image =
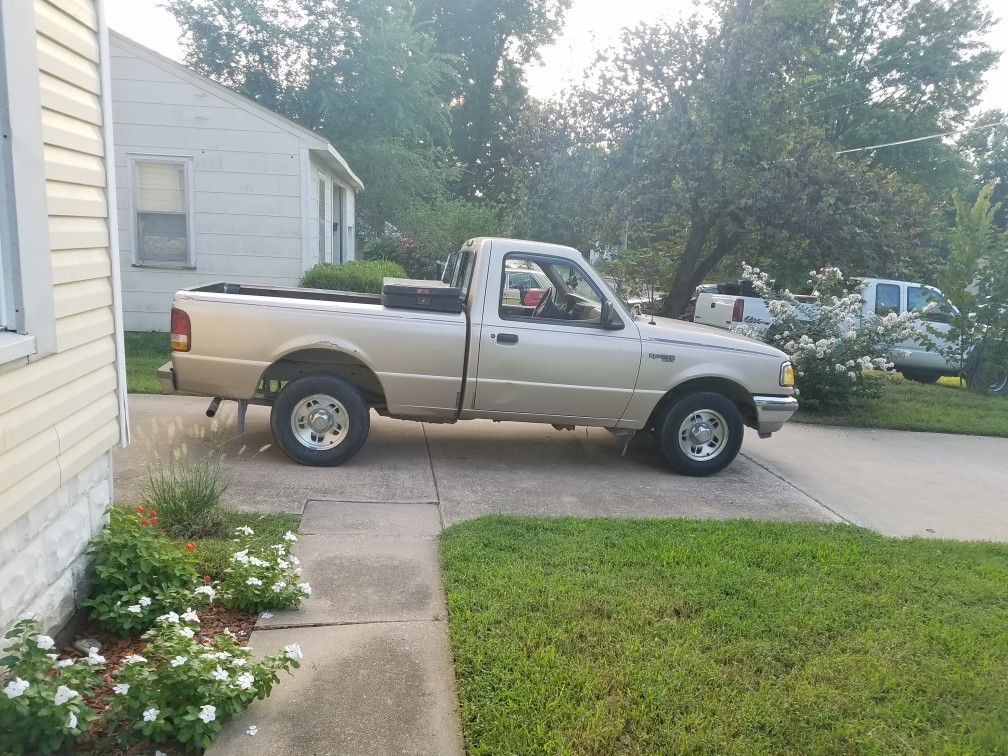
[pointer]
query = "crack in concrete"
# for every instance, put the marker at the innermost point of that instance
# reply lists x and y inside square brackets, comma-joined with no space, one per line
[799,489]
[430,461]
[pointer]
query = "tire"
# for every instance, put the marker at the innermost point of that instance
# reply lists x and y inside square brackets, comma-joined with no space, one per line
[996,385]
[341,417]
[920,376]
[709,411]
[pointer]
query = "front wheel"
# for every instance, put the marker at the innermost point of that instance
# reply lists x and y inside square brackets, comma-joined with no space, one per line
[320,420]
[700,434]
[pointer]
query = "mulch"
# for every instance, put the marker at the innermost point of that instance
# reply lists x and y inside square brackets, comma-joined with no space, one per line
[214,620]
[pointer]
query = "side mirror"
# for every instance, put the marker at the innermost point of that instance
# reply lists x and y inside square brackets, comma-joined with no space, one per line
[611,320]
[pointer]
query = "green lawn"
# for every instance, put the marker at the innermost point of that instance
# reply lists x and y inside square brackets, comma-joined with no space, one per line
[146,351]
[905,405]
[644,637]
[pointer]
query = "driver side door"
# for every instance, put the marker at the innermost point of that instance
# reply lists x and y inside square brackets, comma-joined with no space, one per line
[557,363]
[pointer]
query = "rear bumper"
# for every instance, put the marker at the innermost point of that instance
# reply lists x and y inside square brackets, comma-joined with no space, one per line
[773,411]
[166,374]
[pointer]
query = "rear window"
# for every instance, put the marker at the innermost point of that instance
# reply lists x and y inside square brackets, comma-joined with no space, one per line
[459,270]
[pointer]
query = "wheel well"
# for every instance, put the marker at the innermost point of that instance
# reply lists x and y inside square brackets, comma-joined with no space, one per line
[308,361]
[734,391]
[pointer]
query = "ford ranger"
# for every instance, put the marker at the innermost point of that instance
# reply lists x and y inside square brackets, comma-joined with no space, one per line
[562,350]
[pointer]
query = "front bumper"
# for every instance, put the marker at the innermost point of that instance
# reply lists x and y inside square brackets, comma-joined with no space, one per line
[772,412]
[166,374]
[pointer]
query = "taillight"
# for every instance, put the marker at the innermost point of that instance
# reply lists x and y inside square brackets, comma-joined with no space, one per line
[738,311]
[181,330]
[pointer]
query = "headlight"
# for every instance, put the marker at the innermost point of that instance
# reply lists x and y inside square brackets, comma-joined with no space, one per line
[787,374]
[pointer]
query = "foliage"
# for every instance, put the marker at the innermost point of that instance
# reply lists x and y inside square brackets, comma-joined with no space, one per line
[602,635]
[138,574]
[183,691]
[263,577]
[975,279]
[213,556]
[146,351]
[43,708]
[401,249]
[830,341]
[363,276]
[186,492]
[636,273]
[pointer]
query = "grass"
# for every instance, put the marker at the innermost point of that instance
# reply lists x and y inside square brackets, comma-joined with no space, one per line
[146,351]
[639,637]
[213,555]
[904,405]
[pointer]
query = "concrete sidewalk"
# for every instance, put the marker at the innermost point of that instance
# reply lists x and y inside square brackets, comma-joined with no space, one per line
[377,674]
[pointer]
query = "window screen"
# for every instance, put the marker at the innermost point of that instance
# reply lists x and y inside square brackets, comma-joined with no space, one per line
[161,201]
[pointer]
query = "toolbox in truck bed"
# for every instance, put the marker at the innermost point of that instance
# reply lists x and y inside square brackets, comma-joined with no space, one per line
[410,294]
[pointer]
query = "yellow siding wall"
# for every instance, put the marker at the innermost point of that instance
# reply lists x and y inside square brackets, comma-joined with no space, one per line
[60,413]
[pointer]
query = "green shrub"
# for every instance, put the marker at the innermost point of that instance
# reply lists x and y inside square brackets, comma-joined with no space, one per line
[417,262]
[42,706]
[263,577]
[138,573]
[186,493]
[363,276]
[183,690]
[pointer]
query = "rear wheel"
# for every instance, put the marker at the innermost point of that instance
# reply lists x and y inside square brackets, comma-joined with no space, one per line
[320,420]
[699,434]
[920,376]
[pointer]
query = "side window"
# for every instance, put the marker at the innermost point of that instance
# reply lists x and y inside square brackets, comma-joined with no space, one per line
[919,297]
[548,289]
[887,299]
[162,208]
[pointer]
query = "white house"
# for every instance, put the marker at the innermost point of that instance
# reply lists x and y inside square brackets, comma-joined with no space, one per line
[62,377]
[213,186]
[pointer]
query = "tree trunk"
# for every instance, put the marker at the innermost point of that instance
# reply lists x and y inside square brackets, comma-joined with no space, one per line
[688,278]
[681,289]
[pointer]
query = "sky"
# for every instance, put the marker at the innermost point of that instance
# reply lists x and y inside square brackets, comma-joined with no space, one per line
[591,25]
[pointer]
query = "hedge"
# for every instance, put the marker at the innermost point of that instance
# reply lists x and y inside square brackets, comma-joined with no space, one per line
[363,276]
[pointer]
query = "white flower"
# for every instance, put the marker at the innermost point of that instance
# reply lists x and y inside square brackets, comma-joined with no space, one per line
[150,715]
[289,537]
[64,694]
[278,586]
[95,658]
[283,564]
[244,530]
[241,556]
[207,591]
[134,608]
[222,655]
[190,616]
[170,617]
[244,680]
[239,662]
[71,720]
[305,588]
[44,642]
[134,659]
[293,651]
[219,674]
[15,687]
[145,601]
[294,559]
[252,730]
[267,615]
[121,689]
[186,631]
[178,661]
[257,562]
[253,581]
[278,547]
[63,663]
[208,713]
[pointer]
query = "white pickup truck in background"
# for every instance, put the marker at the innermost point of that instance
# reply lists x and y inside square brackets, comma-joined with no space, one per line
[725,304]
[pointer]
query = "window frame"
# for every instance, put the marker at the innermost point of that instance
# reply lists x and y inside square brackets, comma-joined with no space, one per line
[132,161]
[551,260]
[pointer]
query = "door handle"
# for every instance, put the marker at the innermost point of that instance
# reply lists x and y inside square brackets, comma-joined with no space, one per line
[507,338]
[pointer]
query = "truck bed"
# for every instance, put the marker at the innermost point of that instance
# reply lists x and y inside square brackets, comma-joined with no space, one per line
[288,292]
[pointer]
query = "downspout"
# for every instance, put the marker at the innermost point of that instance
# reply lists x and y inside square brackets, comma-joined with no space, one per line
[104,52]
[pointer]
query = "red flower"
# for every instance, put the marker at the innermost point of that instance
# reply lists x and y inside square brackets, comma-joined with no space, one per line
[206,579]
[146,521]
[190,545]
[139,509]
[153,514]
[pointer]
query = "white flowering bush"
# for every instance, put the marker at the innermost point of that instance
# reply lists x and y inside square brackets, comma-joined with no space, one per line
[830,340]
[182,691]
[263,577]
[42,706]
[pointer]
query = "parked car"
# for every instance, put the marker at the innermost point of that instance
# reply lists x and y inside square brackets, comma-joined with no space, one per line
[462,349]
[738,302]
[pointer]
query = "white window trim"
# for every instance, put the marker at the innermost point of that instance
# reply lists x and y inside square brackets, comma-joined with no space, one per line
[27,238]
[187,162]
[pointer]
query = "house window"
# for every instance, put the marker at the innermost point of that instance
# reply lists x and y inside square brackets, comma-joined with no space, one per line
[162,205]
[321,219]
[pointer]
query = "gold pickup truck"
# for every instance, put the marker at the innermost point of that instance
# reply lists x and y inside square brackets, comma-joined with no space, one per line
[562,350]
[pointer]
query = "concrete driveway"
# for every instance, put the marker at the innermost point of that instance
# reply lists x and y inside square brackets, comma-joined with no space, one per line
[895,482]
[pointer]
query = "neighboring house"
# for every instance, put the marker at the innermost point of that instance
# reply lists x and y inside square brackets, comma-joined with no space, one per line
[214,187]
[62,377]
